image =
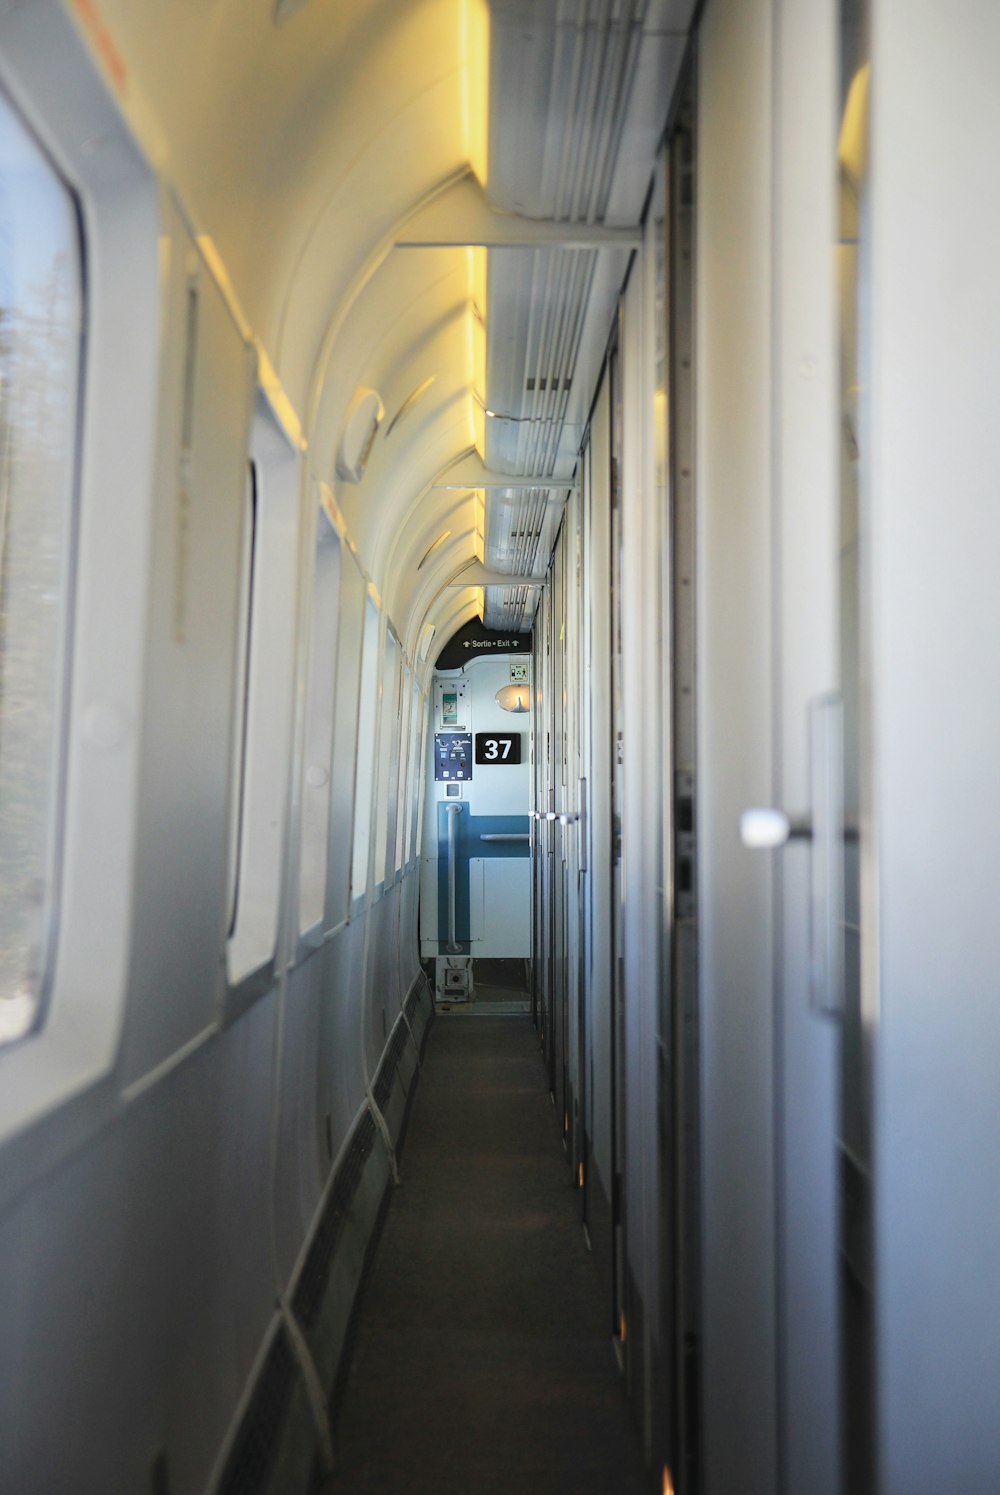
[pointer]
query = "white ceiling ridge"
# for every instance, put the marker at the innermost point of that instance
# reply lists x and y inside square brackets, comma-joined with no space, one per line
[461,216]
[475,574]
[377,256]
[469,471]
[394,527]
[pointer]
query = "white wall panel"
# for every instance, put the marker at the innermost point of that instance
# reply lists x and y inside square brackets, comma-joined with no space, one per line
[599,993]
[187,725]
[807,497]
[300,1169]
[148,1257]
[647,770]
[934,541]
[341,1089]
[733,319]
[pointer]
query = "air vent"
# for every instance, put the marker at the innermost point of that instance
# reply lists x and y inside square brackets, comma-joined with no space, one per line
[315,1274]
[259,1437]
[382,1088]
[553,385]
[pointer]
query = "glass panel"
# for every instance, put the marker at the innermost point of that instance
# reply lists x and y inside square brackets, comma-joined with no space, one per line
[388,762]
[315,817]
[40,324]
[248,552]
[365,776]
[417,792]
[405,751]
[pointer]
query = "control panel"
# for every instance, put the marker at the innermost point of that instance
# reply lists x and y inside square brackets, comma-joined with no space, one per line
[452,756]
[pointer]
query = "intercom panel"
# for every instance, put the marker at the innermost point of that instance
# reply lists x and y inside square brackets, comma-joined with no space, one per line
[452,756]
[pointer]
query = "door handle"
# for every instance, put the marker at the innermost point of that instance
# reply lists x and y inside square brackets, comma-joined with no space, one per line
[826,831]
[766,829]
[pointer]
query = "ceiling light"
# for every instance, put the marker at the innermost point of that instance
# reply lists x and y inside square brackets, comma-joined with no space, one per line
[513,698]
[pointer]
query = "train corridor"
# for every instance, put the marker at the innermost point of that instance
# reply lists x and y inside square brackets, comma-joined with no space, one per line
[482,1358]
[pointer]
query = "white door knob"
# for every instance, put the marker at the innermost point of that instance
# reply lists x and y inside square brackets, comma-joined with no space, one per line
[763,829]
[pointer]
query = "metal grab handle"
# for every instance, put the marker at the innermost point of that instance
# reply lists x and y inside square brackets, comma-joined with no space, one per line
[506,836]
[452,811]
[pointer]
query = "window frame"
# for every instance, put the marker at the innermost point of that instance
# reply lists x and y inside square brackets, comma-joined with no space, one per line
[260,797]
[315,784]
[46,831]
[59,1084]
[366,766]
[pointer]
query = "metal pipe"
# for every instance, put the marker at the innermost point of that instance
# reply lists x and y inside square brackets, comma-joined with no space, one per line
[452,811]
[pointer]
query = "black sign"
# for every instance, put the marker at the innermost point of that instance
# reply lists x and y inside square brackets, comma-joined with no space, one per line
[498,747]
[473,640]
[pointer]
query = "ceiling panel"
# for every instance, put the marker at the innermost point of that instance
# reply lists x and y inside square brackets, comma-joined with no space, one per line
[579,94]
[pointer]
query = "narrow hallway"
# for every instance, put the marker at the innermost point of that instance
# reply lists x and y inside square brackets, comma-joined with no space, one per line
[483,1359]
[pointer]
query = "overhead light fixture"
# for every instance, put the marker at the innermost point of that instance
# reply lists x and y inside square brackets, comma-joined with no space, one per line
[513,698]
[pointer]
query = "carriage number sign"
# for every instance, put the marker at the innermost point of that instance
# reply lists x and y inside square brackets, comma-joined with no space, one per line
[498,747]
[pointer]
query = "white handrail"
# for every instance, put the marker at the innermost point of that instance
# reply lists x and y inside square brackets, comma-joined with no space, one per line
[452,811]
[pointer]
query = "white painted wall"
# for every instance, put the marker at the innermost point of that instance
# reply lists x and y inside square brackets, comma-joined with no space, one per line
[734,473]
[501,928]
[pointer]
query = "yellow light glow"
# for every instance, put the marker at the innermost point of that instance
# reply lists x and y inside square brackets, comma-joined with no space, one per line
[333,513]
[852,154]
[514,698]
[474,41]
[474,26]
[622,1328]
[668,1482]
[475,345]
[852,149]
[266,372]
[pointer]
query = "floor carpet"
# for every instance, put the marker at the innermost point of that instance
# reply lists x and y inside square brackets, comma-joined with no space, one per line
[483,1362]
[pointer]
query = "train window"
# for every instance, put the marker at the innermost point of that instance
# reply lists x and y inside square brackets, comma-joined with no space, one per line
[419,770]
[414,765]
[315,799]
[248,551]
[41,312]
[365,772]
[388,777]
[403,774]
[265,686]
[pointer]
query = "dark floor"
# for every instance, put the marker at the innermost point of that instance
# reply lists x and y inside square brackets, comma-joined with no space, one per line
[483,1363]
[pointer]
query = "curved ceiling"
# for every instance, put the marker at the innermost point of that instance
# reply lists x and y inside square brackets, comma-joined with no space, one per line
[341,132]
